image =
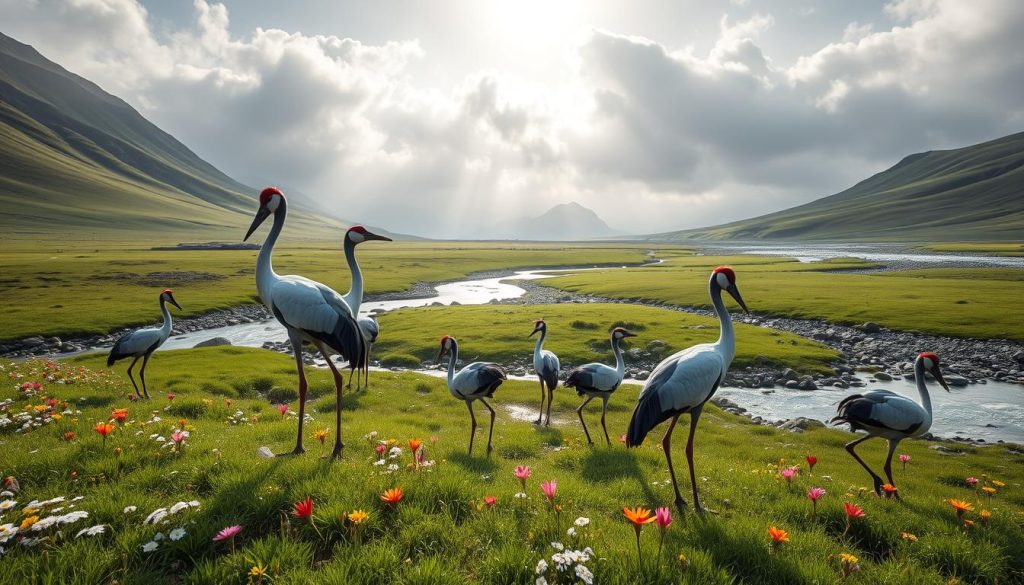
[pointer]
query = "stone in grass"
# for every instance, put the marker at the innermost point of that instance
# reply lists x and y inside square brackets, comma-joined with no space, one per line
[800,424]
[213,342]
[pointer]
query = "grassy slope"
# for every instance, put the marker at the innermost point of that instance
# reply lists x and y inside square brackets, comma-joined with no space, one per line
[966,194]
[967,303]
[91,290]
[995,249]
[579,334]
[436,535]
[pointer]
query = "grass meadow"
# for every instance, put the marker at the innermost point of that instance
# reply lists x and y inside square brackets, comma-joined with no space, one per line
[443,530]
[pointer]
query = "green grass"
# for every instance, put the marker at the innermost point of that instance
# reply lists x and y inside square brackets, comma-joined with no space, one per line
[579,334]
[981,303]
[993,248]
[438,534]
[87,290]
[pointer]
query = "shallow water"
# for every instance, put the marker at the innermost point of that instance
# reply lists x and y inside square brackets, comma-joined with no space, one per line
[873,253]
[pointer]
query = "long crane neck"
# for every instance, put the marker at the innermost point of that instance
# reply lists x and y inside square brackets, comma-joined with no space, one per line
[265,275]
[726,338]
[165,329]
[922,388]
[454,357]
[354,296]
[540,344]
[620,363]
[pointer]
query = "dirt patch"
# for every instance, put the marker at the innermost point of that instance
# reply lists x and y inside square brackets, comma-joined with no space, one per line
[162,278]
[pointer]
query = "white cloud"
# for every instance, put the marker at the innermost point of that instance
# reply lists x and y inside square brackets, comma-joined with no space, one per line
[652,136]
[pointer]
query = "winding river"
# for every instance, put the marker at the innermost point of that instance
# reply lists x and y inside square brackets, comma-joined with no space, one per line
[992,411]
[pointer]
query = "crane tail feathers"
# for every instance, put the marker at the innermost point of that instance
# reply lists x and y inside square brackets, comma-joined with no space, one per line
[647,415]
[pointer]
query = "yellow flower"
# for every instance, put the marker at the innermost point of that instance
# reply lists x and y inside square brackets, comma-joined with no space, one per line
[848,558]
[985,515]
[998,483]
[29,512]
[28,522]
[358,517]
[989,490]
[258,570]
[908,536]
[57,417]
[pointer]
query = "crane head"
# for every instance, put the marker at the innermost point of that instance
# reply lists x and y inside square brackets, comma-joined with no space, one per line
[621,332]
[930,363]
[271,199]
[357,234]
[724,278]
[167,296]
[538,325]
[446,344]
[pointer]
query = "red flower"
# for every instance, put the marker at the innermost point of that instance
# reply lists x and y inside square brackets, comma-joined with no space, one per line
[303,508]
[491,501]
[392,496]
[853,510]
[811,462]
[104,429]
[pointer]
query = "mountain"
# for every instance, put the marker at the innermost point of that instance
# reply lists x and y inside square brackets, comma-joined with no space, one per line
[975,193]
[568,221]
[78,160]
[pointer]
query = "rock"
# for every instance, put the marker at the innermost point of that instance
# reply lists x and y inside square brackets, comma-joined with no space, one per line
[643,375]
[31,342]
[883,376]
[789,374]
[946,450]
[869,327]
[958,381]
[721,402]
[801,423]
[214,342]
[807,384]
[793,384]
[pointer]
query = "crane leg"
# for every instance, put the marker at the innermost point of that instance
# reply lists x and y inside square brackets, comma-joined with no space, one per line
[604,409]
[579,412]
[297,349]
[338,383]
[142,374]
[137,393]
[472,429]
[551,395]
[666,444]
[874,476]
[366,366]
[490,433]
[540,413]
[694,417]
[888,464]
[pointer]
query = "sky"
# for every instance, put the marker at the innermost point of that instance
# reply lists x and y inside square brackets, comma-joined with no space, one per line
[442,118]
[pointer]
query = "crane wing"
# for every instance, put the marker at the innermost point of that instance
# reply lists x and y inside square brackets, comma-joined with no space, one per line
[881,409]
[134,343]
[478,377]
[595,376]
[319,312]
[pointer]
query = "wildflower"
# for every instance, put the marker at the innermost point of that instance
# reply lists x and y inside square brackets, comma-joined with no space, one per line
[998,483]
[28,522]
[853,511]
[171,396]
[848,564]
[522,472]
[179,438]
[639,517]
[788,474]
[7,505]
[228,534]
[392,496]
[968,523]
[282,408]
[584,574]
[582,521]
[985,515]
[908,536]
[150,546]
[91,531]
[304,508]
[778,535]
[811,462]
[889,489]
[903,459]
[380,450]
[129,509]
[960,507]
[104,429]
[357,517]
[571,532]
[394,452]
[542,567]
[990,491]
[321,436]
[491,501]
[119,414]
[814,494]
[415,444]
[69,436]
[258,571]
[972,481]
[549,488]
[117,451]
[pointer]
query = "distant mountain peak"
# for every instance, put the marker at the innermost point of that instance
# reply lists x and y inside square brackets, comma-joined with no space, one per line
[564,221]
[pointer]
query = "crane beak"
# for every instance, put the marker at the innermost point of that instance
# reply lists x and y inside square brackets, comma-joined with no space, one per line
[373,236]
[626,333]
[440,355]
[534,331]
[175,303]
[939,378]
[735,292]
[261,215]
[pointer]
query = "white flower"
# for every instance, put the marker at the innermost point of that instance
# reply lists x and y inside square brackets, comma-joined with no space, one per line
[130,509]
[571,531]
[156,516]
[557,546]
[542,567]
[158,536]
[30,542]
[77,498]
[6,494]
[540,581]
[91,531]
[584,574]
[379,462]
[178,507]
[393,467]
[150,546]
[589,552]
[7,531]
[72,517]
[520,495]
[7,505]
[394,452]
[194,504]
[45,523]
[177,534]
[581,521]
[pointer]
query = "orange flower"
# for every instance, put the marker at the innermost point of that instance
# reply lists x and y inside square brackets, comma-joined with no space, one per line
[104,429]
[778,535]
[414,445]
[985,516]
[639,516]
[961,506]
[119,414]
[889,489]
[392,496]
[69,436]
[321,436]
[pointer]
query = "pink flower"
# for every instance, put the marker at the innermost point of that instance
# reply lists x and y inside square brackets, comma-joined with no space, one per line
[549,488]
[178,437]
[972,481]
[379,448]
[283,409]
[788,474]
[227,533]
[664,517]
[170,396]
[904,457]
[815,493]
[522,472]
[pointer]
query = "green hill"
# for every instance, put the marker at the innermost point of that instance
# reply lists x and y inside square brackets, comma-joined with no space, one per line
[77,160]
[975,193]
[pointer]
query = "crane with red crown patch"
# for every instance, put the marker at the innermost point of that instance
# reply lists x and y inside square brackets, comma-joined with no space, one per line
[141,343]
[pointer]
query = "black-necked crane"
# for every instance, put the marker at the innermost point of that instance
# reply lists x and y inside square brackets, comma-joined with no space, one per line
[356,235]
[475,381]
[597,380]
[547,367]
[310,312]
[891,416]
[684,381]
[141,343]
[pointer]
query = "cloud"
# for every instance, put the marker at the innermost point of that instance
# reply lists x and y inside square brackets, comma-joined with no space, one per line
[653,137]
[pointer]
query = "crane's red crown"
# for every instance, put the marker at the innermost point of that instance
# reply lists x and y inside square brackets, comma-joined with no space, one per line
[931,356]
[445,338]
[728,272]
[539,321]
[358,228]
[168,291]
[269,192]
